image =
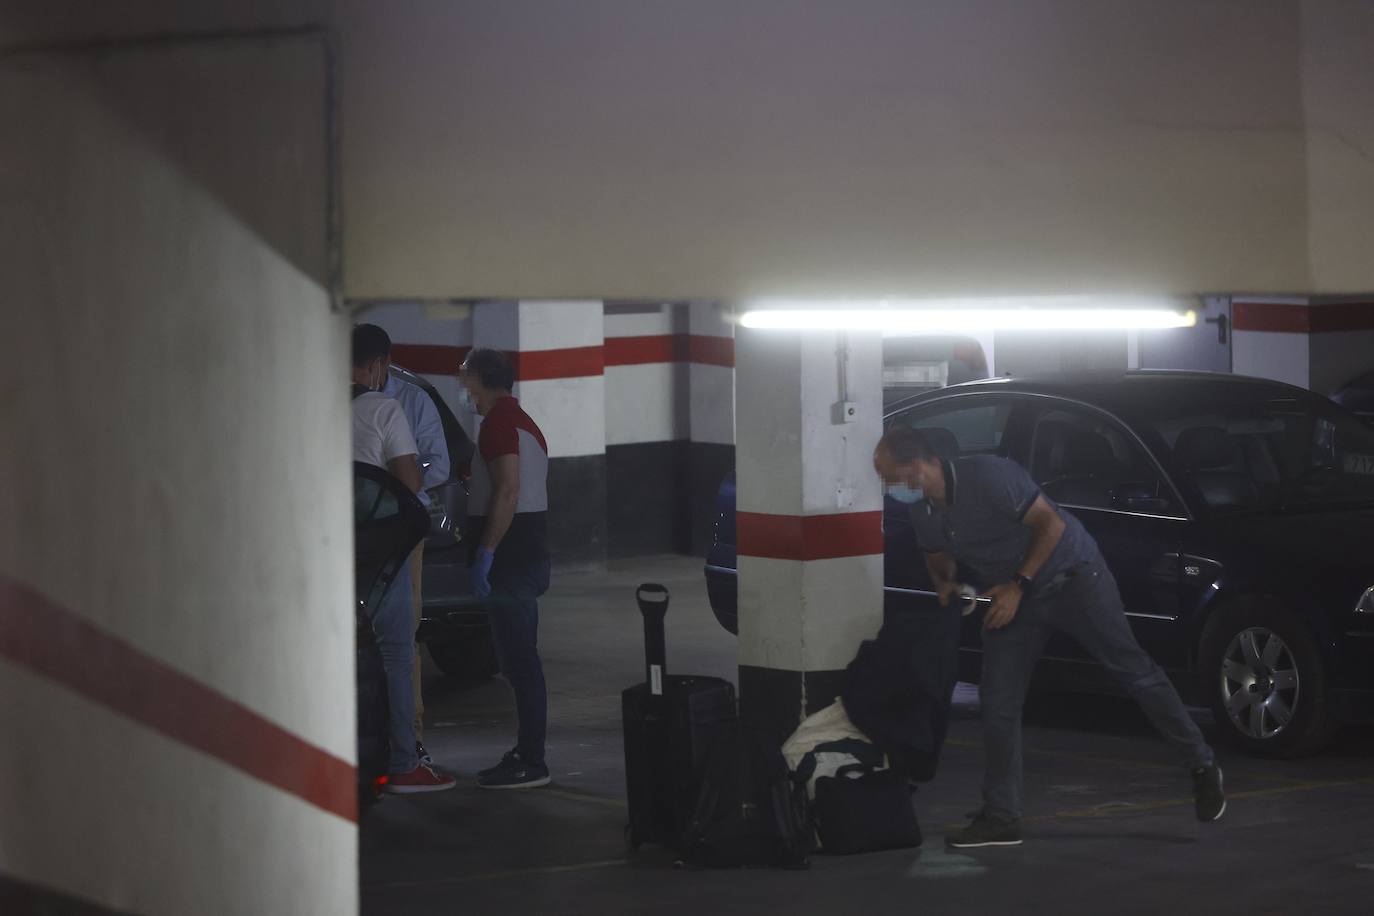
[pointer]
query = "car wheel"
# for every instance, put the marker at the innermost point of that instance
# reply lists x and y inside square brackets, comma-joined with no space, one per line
[1265,682]
[468,658]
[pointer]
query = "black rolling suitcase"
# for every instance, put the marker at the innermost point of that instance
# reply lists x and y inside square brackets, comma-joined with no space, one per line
[669,722]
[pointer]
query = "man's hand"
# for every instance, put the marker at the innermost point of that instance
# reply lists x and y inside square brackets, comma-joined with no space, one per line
[946,592]
[481,569]
[1006,600]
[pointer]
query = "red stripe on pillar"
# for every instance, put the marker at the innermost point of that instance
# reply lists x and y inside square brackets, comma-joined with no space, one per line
[809,537]
[1343,316]
[1270,316]
[711,351]
[643,351]
[1291,318]
[670,348]
[574,362]
[437,359]
[51,641]
[429,359]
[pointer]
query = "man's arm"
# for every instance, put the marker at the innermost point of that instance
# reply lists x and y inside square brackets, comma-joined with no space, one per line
[505,494]
[407,470]
[398,445]
[430,439]
[943,572]
[1046,530]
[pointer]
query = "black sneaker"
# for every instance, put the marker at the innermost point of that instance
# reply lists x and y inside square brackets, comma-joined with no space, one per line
[1208,798]
[423,754]
[513,773]
[986,830]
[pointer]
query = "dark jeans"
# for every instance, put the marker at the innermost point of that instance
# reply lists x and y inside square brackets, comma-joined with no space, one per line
[514,613]
[1087,607]
[395,631]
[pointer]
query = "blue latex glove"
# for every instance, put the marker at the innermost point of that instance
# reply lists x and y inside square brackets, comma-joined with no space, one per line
[481,569]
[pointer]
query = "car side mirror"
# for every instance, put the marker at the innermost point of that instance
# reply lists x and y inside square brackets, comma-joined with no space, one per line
[1139,496]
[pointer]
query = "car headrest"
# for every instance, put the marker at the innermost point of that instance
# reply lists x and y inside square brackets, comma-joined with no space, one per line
[1204,448]
[941,441]
[1051,445]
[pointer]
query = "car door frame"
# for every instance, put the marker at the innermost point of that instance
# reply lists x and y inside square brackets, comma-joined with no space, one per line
[1162,629]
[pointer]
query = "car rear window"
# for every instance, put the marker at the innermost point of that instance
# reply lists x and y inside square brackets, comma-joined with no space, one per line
[1259,450]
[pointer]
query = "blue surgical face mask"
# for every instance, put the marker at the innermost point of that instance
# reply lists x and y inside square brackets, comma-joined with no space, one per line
[905,494]
[465,399]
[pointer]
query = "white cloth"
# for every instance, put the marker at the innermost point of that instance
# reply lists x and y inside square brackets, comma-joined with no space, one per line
[829,725]
[380,429]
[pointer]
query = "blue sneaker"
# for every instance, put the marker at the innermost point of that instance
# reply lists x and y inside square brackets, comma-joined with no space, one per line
[513,773]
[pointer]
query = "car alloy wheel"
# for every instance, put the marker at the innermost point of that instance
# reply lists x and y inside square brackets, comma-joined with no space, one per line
[1259,682]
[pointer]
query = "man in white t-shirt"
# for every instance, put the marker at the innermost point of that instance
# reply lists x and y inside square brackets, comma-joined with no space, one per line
[382,437]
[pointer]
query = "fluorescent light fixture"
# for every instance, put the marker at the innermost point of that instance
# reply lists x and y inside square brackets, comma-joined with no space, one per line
[1046,313]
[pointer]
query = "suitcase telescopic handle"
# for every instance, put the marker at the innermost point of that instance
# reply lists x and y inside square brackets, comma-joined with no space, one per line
[652,598]
[653,604]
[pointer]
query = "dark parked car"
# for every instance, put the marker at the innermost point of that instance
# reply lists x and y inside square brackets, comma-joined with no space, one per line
[1358,397]
[1236,514]
[453,623]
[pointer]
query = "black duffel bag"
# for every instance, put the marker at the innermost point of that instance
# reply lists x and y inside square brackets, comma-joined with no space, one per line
[863,810]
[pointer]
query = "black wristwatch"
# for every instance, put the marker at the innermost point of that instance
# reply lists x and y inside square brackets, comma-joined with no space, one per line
[1023,582]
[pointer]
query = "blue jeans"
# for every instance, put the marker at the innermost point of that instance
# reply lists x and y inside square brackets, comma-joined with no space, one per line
[1088,608]
[394,627]
[514,613]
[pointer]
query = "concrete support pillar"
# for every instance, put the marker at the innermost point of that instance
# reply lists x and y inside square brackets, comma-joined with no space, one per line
[710,356]
[809,517]
[177,727]
[1312,342]
[559,354]
[646,429]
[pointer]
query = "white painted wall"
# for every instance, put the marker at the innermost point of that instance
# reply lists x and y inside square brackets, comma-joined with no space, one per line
[712,387]
[1268,354]
[648,402]
[1338,358]
[176,464]
[1022,353]
[420,322]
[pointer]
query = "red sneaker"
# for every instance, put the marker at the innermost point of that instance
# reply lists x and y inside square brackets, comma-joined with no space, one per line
[421,779]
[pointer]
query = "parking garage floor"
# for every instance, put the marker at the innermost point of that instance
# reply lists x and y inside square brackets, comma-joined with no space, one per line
[1109,824]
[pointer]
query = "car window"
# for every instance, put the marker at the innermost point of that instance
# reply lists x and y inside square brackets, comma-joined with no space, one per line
[963,430]
[1261,451]
[1081,458]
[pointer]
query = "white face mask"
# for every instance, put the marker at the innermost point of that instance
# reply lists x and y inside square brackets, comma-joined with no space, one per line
[465,399]
[906,494]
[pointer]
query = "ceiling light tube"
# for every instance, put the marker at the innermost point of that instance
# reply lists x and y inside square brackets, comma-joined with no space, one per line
[941,319]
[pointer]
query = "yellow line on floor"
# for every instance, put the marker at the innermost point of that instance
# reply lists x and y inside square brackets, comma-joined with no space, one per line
[1121,762]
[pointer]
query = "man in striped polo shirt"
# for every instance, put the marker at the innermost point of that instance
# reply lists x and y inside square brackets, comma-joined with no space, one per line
[509,550]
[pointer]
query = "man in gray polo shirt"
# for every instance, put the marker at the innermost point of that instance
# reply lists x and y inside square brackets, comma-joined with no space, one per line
[1043,572]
